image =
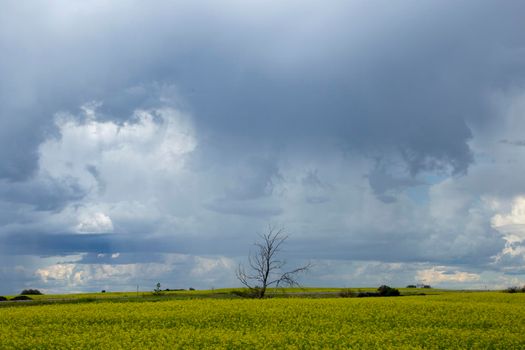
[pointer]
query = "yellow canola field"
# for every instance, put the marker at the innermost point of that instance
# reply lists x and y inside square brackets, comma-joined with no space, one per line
[479,320]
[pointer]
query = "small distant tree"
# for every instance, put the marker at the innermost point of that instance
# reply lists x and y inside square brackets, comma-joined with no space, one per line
[157,290]
[265,269]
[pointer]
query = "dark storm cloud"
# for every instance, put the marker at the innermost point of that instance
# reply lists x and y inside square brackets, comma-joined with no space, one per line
[102,245]
[395,247]
[411,90]
[120,258]
[409,80]
[62,244]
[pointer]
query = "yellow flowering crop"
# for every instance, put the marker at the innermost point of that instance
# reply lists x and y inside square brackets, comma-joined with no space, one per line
[480,320]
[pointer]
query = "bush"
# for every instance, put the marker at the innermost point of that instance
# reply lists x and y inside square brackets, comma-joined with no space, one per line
[346,293]
[3,298]
[411,286]
[31,292]
[386,291]
[367,294]
[21,297]
[247,293]
[239,293]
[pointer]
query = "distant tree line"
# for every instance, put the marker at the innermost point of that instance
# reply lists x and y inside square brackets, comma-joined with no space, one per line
[419,285]
[382,291]
[23,295]
[515,289]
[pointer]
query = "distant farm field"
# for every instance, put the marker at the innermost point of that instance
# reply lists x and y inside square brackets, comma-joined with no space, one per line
[448,320]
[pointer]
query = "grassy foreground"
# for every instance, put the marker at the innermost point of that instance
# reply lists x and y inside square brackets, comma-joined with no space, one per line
[447,320]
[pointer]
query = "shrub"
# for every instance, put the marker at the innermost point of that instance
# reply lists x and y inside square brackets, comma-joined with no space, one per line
[192,289]
[31,292]
[411,286]
[386,291]
[21,297]
[239,293]
[367,294]
[247,293]
[103,291]
[346,293]
[3,298]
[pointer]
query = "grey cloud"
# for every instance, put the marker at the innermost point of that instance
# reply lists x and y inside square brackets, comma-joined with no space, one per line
[396,247]
[316,191]
[43,193]
[117,258]
[386,186]
[267,85]
[513,142]
[254,179]
[60,244]
[403,87]
[243,208]
[96,175]
[46,244]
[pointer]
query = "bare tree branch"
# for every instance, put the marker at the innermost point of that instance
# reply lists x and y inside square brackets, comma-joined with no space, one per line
[265,268]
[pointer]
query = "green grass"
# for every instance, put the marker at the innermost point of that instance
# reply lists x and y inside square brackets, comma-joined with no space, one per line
[212,293]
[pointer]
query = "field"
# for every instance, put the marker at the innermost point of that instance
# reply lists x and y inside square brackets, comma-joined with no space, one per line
[444,320]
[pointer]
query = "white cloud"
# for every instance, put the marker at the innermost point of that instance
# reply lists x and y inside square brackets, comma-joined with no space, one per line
[174,271]
[155,140]
[206,266]
[441,274]
[512,225]
[95,223]
[128,171]
[82,275]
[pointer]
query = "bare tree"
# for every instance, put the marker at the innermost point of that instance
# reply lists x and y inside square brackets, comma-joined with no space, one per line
[265,269]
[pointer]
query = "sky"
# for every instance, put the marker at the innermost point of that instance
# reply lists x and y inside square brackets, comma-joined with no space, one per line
[145,142]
